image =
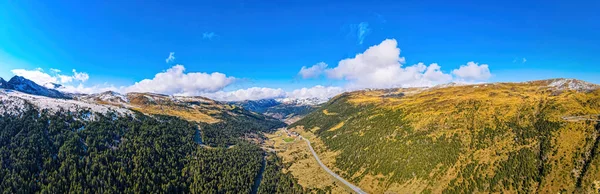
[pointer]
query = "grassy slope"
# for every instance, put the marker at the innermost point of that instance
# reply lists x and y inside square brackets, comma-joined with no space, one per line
[498,137]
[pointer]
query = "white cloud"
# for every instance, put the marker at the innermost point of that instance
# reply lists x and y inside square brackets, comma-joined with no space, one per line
[36,75]
[171,57]
[258,93]
[209,35]
[40,77]
[435,74]
[380,66]
[80,76]
[81,89]
[175,81]
[254,93]
[473,72]
[362,31]
[312,72]
[320,92]
[524,60]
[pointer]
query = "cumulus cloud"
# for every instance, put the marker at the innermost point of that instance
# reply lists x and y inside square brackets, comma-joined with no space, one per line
[81,89]
[171,57]
[473,72]
[320,92]
[36,76]
[254,93]
[258,93]
[80,76]
[209,35]
[175,81]
[312,72]
[380,66]
[435,74]
[42,78]
[55,77]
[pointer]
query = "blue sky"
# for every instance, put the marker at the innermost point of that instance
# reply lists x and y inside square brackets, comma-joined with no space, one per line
[266,43]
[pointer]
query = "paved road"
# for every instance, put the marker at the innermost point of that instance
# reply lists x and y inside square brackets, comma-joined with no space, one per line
[350,185]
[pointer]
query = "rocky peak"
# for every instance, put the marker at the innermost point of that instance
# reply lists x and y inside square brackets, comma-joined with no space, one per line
[571,84]
[27,86]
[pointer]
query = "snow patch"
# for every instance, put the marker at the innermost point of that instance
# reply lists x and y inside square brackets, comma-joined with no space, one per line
[302,101]
[15,101]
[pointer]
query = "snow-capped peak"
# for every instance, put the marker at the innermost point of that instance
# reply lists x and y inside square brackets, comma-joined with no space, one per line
[302,101]
[27,86]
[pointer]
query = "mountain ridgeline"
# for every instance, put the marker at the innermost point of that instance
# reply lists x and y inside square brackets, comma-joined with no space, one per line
[531,137]
[21,84]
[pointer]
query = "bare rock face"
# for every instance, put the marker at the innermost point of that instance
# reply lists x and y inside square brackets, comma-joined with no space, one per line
[571,84]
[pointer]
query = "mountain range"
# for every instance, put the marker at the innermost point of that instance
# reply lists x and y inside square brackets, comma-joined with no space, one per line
[192,108]
[529,137]
[284,109]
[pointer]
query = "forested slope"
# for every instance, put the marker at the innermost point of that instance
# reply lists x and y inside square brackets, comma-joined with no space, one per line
[70,151]
[527,137]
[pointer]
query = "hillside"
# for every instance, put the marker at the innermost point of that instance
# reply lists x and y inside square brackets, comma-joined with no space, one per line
[134,143]
[540,136]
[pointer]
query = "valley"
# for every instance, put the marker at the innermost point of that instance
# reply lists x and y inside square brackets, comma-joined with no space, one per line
[299,97]
[539,136]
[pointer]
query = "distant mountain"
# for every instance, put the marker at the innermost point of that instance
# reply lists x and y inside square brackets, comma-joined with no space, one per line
[285,109]
[302,101]
[24,85]
[259,106]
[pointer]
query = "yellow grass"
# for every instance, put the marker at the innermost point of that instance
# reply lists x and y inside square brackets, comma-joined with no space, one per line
[187,114]
[339,125]
[439,108]
[328,113]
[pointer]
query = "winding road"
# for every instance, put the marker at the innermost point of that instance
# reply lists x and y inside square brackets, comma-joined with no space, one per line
[350,185]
